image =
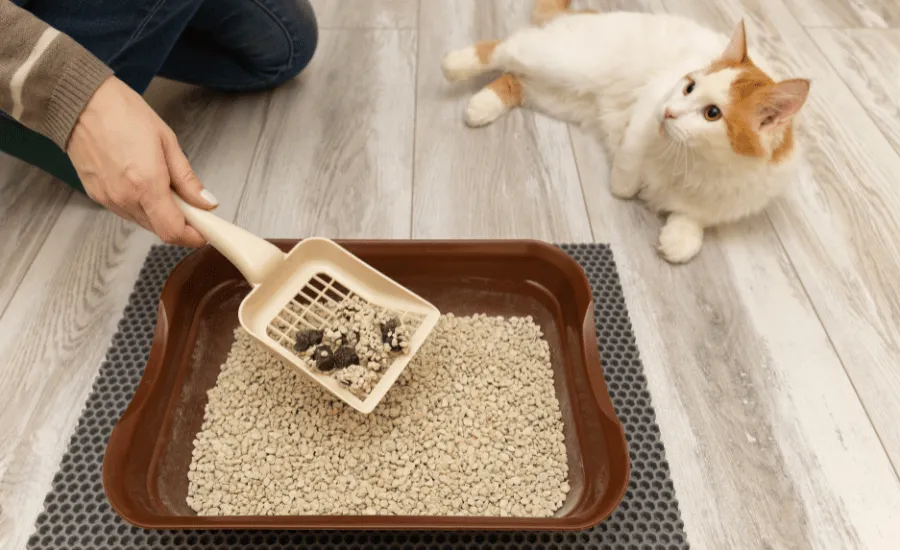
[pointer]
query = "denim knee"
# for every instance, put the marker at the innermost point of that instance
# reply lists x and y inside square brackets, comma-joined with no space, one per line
[300,38]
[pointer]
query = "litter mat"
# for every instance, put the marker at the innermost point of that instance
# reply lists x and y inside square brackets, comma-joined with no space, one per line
[77,515]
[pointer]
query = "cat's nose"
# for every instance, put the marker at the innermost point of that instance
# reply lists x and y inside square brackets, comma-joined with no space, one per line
[668,114]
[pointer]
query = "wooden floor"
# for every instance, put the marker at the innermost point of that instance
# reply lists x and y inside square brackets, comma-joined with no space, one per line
[773,359]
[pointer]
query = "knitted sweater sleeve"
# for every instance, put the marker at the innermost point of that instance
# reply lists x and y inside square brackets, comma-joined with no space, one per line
[46,78]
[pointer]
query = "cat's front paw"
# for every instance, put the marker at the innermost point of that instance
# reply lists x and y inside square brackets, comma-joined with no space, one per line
[680,239]
[624,184]
[462,65]
[484,107]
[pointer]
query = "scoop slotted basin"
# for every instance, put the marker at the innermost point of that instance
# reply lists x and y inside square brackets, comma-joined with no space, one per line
[302,289]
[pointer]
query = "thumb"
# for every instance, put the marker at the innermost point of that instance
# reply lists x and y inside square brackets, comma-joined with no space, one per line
[184,181]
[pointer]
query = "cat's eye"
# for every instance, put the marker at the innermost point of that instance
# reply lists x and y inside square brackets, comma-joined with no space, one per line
[712,113]
[689,88]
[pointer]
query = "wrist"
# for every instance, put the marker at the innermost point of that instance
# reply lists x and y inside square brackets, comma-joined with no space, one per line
[77,86]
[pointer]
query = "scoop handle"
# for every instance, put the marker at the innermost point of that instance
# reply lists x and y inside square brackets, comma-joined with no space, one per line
[254,257]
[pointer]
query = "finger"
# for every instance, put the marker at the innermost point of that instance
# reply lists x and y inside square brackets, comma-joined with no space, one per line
[140,218]
[124,201]
[121,213]
[167,220]
[140,221]
[184,180]
[193,238]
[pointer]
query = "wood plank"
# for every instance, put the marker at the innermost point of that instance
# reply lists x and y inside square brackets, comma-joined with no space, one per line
[59,323]
[868,60]
[52,339]
[846,13]
[335,156]
[840,221]
[768,442]
[366,14]
[513,178]
[30,203]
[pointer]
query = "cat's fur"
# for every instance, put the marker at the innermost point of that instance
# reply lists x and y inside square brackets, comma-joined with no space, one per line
[627,75]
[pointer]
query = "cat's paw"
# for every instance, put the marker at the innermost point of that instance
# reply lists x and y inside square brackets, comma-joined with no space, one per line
[680,239]
[462,65]
[624,184]
[484,107]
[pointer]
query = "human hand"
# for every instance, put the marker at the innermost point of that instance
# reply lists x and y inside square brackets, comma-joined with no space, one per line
[129,161]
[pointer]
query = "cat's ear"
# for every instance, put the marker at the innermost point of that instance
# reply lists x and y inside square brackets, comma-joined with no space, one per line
[780,102]
[736,51]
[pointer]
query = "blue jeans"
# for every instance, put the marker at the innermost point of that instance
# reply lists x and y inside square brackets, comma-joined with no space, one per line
[226,45]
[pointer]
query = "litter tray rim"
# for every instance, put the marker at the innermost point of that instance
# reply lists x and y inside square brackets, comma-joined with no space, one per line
[123,434]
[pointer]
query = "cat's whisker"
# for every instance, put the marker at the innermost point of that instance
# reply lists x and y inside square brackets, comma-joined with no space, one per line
[688,160]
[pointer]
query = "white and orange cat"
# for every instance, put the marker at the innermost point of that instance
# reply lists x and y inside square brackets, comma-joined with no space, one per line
[695,128]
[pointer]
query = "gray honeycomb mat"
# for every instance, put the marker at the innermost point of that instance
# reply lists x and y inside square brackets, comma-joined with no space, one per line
[77,515]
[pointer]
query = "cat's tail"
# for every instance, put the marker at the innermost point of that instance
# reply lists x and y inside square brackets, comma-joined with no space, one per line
[545,11]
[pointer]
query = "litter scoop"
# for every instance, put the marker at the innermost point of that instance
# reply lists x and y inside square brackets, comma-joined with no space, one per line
[303,289]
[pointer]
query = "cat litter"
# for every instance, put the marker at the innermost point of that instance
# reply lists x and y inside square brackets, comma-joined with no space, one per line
[337,333]
[473,427]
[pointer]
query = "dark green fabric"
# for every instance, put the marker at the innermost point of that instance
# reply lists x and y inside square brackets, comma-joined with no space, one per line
[35,149]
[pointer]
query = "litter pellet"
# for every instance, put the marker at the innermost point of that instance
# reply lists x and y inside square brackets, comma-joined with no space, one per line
[472,428]
[345,356]
[360,328]
[324,358]
[307,339]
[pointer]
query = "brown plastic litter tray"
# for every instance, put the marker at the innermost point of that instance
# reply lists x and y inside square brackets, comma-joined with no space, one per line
[147,458]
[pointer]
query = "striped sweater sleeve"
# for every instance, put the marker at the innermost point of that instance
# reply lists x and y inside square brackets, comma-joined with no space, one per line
[46,78]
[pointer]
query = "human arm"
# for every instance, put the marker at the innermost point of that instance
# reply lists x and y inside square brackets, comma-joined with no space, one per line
[46,78]
[125,155]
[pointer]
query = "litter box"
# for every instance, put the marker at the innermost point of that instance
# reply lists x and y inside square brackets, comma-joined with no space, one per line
[147,458]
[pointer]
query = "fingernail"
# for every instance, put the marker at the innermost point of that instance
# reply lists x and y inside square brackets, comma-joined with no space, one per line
[209,197]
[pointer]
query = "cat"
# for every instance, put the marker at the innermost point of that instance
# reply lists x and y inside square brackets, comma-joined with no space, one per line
[696,129]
